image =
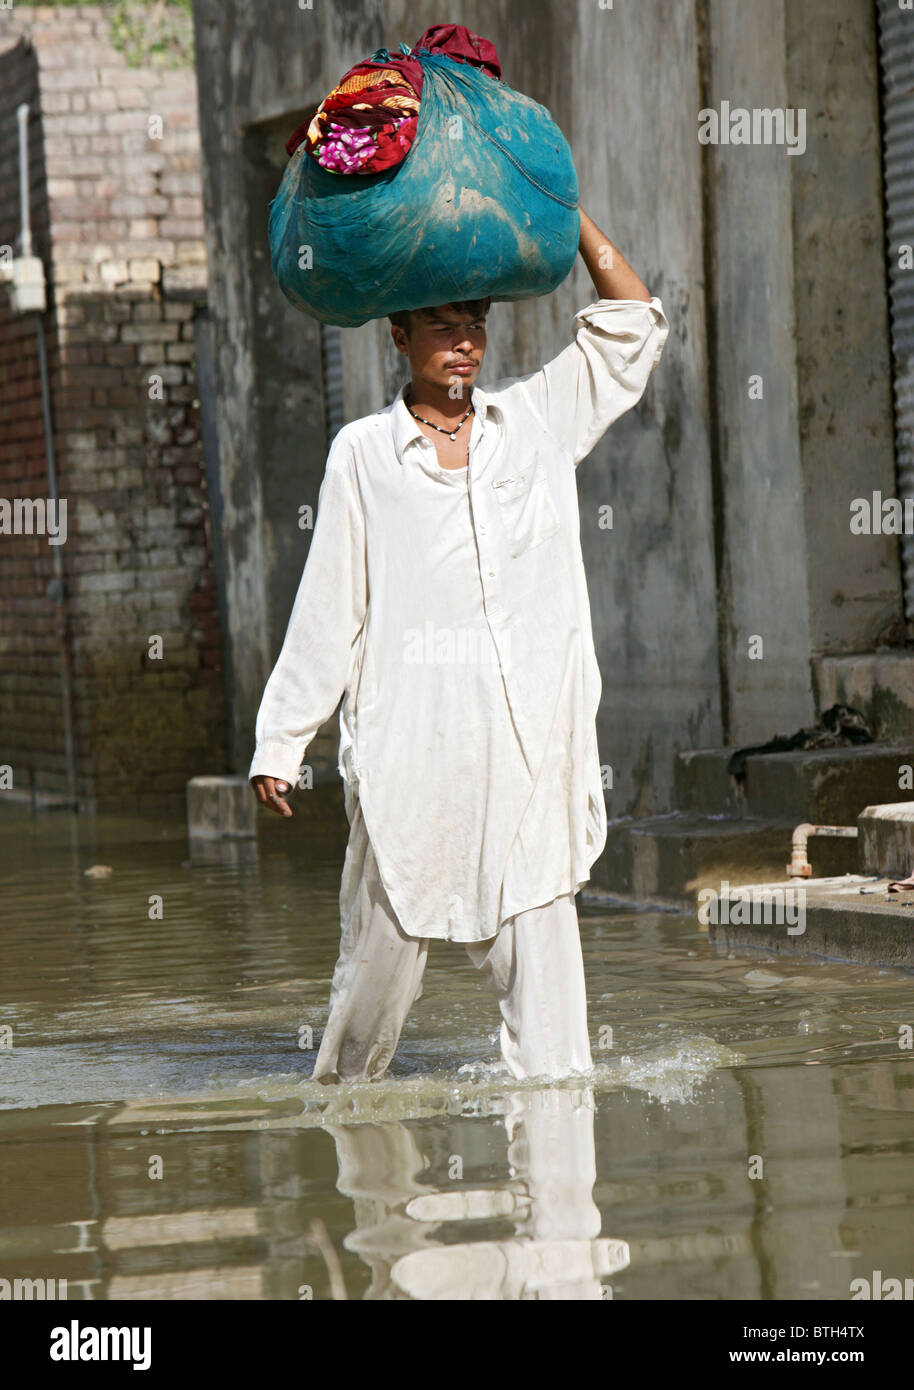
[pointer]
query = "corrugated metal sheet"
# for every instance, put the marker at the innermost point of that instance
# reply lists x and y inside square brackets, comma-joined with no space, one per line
[332,366]
[896,47]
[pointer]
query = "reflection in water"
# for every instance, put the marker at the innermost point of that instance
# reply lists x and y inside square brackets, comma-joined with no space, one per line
[746,1132]
[547,1200]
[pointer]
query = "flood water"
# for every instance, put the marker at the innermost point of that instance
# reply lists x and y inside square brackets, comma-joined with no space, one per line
[747,1131]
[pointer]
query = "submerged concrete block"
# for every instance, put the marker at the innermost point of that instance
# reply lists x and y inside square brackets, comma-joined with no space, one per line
[854,920]
[886,839]
[220,807]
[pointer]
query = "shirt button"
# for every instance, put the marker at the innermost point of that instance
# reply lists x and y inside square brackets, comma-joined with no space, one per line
[491,574]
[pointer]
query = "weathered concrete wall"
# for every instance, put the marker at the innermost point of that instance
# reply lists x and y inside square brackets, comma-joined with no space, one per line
[764,593]
[640,180]
[799,299]
[842,324]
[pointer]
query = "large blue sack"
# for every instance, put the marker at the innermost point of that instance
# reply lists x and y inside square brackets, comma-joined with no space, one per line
[491,210]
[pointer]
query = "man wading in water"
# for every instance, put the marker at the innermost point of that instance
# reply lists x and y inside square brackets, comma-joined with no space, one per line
[444,598]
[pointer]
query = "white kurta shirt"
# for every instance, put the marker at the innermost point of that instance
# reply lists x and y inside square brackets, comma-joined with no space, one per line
[449,609]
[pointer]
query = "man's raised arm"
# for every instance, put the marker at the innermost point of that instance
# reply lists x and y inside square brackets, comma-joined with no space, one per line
[612,276]
[617,343]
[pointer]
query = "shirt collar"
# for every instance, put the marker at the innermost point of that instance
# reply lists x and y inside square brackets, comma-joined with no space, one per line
[406,428]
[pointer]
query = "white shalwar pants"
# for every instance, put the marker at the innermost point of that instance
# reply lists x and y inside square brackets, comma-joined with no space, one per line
[533,964]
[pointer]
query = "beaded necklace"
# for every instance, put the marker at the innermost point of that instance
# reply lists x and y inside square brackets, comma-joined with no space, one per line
[451,434]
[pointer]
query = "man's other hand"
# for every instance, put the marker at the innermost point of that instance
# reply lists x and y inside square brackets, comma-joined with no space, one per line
[267,790]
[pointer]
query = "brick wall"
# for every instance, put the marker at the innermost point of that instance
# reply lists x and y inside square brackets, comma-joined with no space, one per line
[30,694]
[116,198]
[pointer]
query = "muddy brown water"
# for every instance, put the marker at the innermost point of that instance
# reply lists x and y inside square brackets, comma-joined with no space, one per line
[747,1131]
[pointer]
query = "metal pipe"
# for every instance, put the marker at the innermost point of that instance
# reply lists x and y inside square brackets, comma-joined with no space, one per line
[799,866]
[25,235]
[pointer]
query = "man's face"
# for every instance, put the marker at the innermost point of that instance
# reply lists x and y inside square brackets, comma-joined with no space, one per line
[440,345]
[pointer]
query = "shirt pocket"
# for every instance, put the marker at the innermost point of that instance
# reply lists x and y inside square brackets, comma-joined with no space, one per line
[526,508]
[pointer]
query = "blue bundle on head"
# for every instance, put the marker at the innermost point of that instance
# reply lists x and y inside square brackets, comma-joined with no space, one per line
[483,202]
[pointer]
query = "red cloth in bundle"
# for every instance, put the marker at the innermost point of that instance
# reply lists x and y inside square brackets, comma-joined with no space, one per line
[372,97]
[456,41]
[392,146]
[410,70]
[453,40]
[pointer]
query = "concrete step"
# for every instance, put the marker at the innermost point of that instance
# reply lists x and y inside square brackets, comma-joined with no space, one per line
[886,840]
[827,786]
[666,860]
[850,920]
[879,684]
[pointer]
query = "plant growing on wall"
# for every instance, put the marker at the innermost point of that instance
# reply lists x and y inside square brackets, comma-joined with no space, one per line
[159,34]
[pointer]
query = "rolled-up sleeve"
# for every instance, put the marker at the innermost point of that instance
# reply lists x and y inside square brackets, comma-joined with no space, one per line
[327,617]
[603,373]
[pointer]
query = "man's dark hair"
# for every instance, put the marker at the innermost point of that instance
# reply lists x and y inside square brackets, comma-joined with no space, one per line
[477,307]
